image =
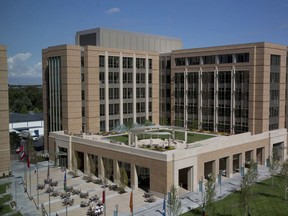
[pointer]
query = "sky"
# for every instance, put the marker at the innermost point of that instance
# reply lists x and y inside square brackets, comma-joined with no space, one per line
[28,26]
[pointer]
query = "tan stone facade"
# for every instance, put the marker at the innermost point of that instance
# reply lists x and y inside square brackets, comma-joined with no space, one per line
[167,168]
[259,69]
[4,115]
[78,70]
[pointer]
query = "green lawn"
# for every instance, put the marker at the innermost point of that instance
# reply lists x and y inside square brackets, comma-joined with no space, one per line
[192,137]
[5,208]
[3,188]
[266,200]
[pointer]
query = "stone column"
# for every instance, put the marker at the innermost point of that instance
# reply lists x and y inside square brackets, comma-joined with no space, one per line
[116,171]
[136,140]
[134,177]
[129,138]
[190,179]
[229,172]
[86,164]
[216,168]
[69,153]
[106,92]
[121,89]
[254,155]
[101,173]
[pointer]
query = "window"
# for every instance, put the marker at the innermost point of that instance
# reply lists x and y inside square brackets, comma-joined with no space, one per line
[130,93]
[275,60]
[110,93]
[82,61]
[242,57]
[116,77]
[180,61]
[193,60]
[150,77]
[138,92]
[116,109]
[82,78]
[125,95]
[138,78]
[208,59]
[102,125]
[142,92]
[111,110]
[102,77]
[130,108]
[150,63]
[142,77]
[110,77]
[140,63]
[83,111]
[116,93]
[130,77]
[125,77]
[138,107]
[102,94]
[125,108]
[142,106]
[101,61]
[113,61]
[83,95]
[225,59]
[127,62]
[102,109]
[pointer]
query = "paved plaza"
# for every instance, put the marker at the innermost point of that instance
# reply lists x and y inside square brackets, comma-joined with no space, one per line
[27,206]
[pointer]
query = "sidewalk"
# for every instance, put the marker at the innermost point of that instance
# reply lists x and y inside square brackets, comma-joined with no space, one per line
[28,207]
[192,200]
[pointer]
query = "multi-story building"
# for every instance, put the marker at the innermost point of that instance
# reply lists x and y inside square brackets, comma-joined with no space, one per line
[91,88]
[4,113]
[231,89]
[219,92]
[111,78]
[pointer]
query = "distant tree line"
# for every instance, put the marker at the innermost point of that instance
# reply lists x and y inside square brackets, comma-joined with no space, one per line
[23,99]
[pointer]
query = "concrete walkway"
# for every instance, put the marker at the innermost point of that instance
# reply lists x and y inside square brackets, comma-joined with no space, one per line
[28,207]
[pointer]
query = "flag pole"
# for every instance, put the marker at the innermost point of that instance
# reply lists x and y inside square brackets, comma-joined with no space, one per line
[104,198]
[131,202]
[37,183]
[49,187]
[65,189]
[30,177]
[25,177]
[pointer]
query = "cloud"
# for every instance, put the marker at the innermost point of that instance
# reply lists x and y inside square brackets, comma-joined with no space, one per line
[112,10]
[22,72]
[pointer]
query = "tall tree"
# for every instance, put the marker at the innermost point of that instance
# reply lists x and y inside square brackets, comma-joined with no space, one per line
[246,192]
[173,202]
[284,174]
[210,195]
[274,166]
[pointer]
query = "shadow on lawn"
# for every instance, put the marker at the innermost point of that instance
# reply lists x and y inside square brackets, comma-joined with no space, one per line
[267,195]
[199,212]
